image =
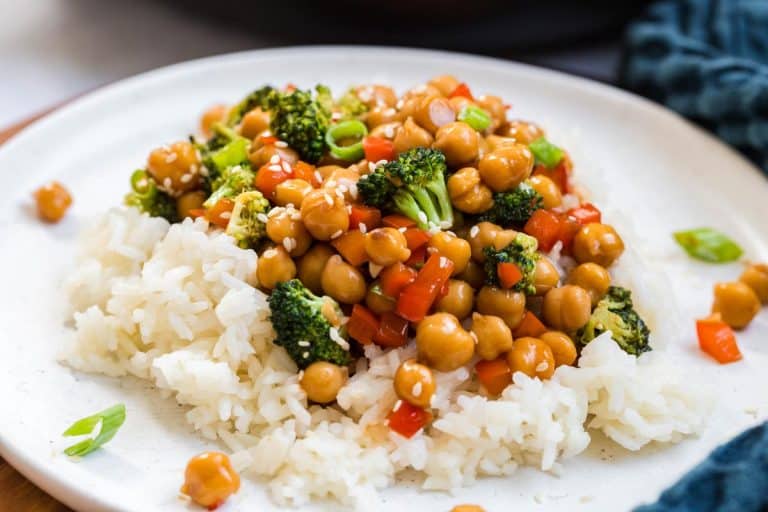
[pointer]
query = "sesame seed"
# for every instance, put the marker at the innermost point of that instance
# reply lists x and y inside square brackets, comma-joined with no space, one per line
[374,269]
[172,157]
[275,167]
[432,250]
[443,261]
[266,133]
[318,177]
[287,244]
[337,234]
[305,355]
[330,183]
[389,131]
[353,190]
[303,343]
[380,162]
[193,169]
[225,215]
[328,199]
[474,336]
[397,406]
[204,170]
[281,144]
[389,112]
[277,210]
[416,389]
[542,366]
[371,167]
[363,228]
[286,167]
[342,188]
[349,209]
[403,229]
[333,333]
[275,159]
[336,116]
[185,178]
[167,182]
[262,217]
[269,253]
[141,184]
[474,231]
[422,217]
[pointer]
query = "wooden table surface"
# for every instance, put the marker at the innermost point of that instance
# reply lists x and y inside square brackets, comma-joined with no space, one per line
[18,494]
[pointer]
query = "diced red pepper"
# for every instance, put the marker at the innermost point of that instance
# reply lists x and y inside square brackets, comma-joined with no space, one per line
[509,274]
[717,339]
[196,212]
[306,172]
[418,257]
[219,213]
[378,148]
[396,277]
[416,238]
[392,332]
[443,291]
[417,298]
[363,324]
[268,139]
[462,90]
[558,174]
[568,230]
[544,226]
[397,221]
[530,326]
[361,214]
[494,375]
[351,246]
[407,419]
[269,176]
[585,214]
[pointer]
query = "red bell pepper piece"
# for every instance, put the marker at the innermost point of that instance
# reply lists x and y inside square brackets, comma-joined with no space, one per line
[530,326]
[378,148]
[558,174]
[544,226]
[494,375]
[392,332]
[396,277]
[416,237]
[716,338]
[509,274]
[585,214]
[407,419]
[462,90]
[363,324]
[269,176]
[361,214]
[418,257]
[417,298]
[219,213]
[397,221]
[306,172]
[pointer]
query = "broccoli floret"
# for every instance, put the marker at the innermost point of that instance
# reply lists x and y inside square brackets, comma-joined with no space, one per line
[261,97]
[148,198]
[350,106]
[231,182]
[244,224]
[522,252]
[615,313]
[225,149]
[301,121]
[413,185]
[301,322]
[514,208]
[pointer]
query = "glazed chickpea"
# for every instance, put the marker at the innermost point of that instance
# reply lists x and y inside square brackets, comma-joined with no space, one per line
[379,116]
[325,171]
[321,381]
[377,301]
[597,243]
[411,135]
[473,274]
[175,168]
[434,112]
[467,191]
[414,383]
[386,246]
[506,167]
[522,131]
[386,130]
[275,266]
[549,192]
[459,299]
[562,347]
[546,276]
[209,479]
[459,103]
[213,115]
[495,107]
[497,141]
[508,305]
[376,95]
[459,142]
[482,235]
[467,508]
[446,84]
[254,123]
[504,238]
[452,247]
[311,265]
[531,356]
[493,336]
[567,308]
[343,180]
[324,214]
[342,281]
[736,302]
[292,191]
[756,277]
[593,278]
[261,154]
[189,201]
[284,227]
[443,343]
[52,201]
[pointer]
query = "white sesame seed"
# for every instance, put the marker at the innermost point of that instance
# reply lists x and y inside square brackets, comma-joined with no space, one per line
[432,250]
[349,209]
[225,215]
[172,157]
[403,229]
[371,167]
[167,182]
[389,131]
[281,144]
[339,194]
[277,210]
[333,333]
[193,169]
[342,188]
[287,244]
[416,389]
[204,170]
[374,269]
[380,162]
[336,116]
[303,343]
[185,178]
[474,231]
[422,217]
[363,228]
[305,355]
[542,366]
[275,167]
[262,217]
[444,262]
[474,336]
[295,215]
[286,167]
[353,190]
[142,183]
[397,406]
[389,112]
[269,253]
[318,177]
[337,234]
[266,133]
[330,184]
[274,159]
[198,155]
[328,199]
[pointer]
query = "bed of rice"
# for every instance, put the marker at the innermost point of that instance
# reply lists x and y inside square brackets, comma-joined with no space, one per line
[176,305]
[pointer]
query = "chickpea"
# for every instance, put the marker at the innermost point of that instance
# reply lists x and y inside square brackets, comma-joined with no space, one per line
[377,301]
[415,383]
[376,95]
[562,346]
[321,381]
[343,180]
[546,276]
[411,135]
[508,305]
[446,84]
[213,115]
[311,265]
[473,274]
[292,191]
[497,141]
[504,238]
[567,308]
[386,246]
[254,123]
[531,356]
[482,235]
[467,191]
[493,336]
[452,247]
[275,266]
[209,479]
[189,201]
[52,201]
[342,281]
[459,299]
[379,116]
[495,107]
[261,154]
[175,168]
[756,277]
[522,131]
[459,142]
[324,214]
[434,112]
[593,278]
[549,192]
[285,224]
[386,130]
[736,302]
[597,243]
[443,343]
[467,508]
[506,167]
[459,103]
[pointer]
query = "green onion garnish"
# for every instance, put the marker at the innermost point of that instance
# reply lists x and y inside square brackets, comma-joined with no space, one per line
[707,244]
[110,420]
[347,130]
[545,152]
[475,117]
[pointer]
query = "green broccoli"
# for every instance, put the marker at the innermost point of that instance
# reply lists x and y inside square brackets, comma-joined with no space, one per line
[230,183]
[514,208]
[301,121]
[148,198]
[301,322]
[350,106]
[522,252]
[225,149]
[261,97]
[615,313]
[245,224]
[413,185]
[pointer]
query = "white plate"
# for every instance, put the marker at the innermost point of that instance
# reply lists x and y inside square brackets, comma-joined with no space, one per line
[658,169]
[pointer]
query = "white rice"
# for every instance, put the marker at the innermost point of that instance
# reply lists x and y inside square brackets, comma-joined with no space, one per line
[176,306]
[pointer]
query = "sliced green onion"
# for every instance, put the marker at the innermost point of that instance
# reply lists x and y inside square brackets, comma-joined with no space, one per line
[142,183]
[707,244]
[545,152]
[475,117]
[346,130]
[110,420]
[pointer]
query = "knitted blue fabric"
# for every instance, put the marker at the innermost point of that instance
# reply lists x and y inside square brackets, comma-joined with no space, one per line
[708,60]
[734,478]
